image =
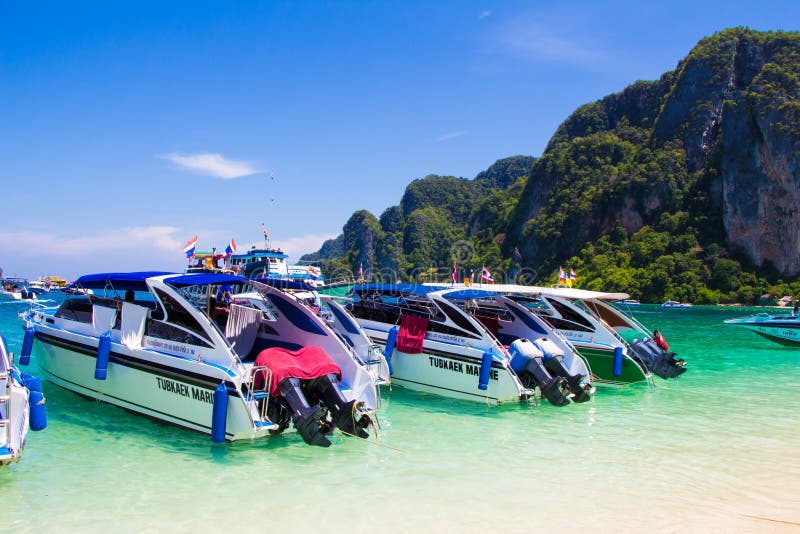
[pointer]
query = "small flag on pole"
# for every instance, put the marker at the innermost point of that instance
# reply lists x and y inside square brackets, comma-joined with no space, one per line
[486,276]
[360,272]
[189,247]
[231,248]
[264,231]
[562,276]
[454,274]
[572,277]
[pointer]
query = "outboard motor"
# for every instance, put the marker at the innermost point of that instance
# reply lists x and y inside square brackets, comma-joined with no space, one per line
[527,362]
[308,420]
[324,390]
[554,363]
[657,360]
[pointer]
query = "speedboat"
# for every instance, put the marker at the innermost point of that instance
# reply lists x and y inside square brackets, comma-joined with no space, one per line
[610,359]
[16,289]
[674,304]
[780,328]
[617,347]
[608,356]
[307,272]
[336,319]
[650,347]
[435,347]
[509,322]
[45,284]
[21,407]
[172,349]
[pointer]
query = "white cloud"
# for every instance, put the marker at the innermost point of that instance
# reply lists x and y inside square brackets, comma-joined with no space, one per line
[531,40]
[450,135]
[212,164]
[139,248]
[125,249]
[161,237]
[485,13]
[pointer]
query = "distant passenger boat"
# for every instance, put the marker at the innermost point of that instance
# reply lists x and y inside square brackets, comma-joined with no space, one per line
[675,304]
[783,328]
[268,262]
[630,302]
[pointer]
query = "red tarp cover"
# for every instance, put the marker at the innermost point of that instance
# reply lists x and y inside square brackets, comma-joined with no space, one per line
[306,363]
[411,334]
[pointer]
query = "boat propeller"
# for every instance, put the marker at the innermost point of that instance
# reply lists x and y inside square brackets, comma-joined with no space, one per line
[316,407]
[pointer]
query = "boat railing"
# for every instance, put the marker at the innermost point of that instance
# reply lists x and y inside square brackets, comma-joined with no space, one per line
[258,383]
[37,307]
[5,396]
[373,360]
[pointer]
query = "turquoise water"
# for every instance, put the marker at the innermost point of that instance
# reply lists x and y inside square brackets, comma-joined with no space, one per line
[716,450]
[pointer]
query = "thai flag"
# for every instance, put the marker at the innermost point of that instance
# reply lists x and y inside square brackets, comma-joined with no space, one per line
[264,231]
[486,276]
[189,247]
[360,271]
[454,274]
[562,276]
[572,275]
[231,248]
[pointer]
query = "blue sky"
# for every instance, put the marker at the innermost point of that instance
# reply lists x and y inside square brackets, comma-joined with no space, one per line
[127,128]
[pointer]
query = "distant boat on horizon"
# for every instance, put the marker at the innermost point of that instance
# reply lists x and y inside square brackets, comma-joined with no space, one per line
[670,304]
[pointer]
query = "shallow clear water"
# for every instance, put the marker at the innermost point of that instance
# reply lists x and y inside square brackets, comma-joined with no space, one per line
[718,449]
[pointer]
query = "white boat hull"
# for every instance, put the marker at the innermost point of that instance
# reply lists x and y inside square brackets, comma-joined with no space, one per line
[16,411]
[451,371]
[784,330]
[175,393]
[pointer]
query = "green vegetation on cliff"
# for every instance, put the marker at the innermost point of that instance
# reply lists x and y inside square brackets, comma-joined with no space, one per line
[683,188]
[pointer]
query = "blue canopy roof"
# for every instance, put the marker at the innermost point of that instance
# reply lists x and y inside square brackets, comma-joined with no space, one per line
[469,294]
[118,281]
[282,283]
[413,289]
[202,279]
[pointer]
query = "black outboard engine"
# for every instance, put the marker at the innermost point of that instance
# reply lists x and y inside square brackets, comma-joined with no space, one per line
[309,420]
[661,362]
[554,363]
[324,390]
[527,362]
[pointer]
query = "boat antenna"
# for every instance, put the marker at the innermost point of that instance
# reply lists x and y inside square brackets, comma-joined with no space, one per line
[266,235]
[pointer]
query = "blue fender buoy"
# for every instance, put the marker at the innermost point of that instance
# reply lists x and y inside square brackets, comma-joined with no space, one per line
[219,413]
[486,369]
[32,382]
[37,414]
[27,346]
[617,361]
[103,350]
[391,339]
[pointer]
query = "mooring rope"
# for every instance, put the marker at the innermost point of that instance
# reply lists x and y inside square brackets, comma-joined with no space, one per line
[772,520]
[373,442]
